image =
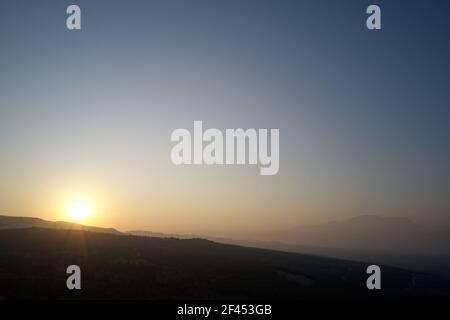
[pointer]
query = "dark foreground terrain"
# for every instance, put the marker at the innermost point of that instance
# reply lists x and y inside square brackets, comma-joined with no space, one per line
[33,264]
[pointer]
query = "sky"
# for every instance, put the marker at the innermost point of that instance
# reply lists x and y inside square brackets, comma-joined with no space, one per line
[87,114]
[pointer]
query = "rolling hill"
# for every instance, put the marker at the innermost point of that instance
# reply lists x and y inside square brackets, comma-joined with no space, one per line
[11,222]
[33,264]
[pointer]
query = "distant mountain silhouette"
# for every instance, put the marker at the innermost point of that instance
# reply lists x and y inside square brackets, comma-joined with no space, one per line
[367,232]
[10,222]
[33,264]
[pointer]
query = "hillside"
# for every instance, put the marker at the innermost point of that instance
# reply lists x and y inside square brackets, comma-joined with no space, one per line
[33,262]
[11,222]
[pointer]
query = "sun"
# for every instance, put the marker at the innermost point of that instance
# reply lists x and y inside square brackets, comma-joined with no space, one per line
[79,210]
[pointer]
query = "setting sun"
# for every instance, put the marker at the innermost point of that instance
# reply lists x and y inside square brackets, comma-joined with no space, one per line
[79,210]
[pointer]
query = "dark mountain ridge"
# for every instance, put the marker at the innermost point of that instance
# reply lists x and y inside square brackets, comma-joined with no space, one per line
[11,222]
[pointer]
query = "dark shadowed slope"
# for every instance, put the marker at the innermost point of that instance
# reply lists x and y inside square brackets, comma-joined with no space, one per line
[33,264]
[379,240]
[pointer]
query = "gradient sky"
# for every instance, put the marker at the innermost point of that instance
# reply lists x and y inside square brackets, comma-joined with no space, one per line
[363,115]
